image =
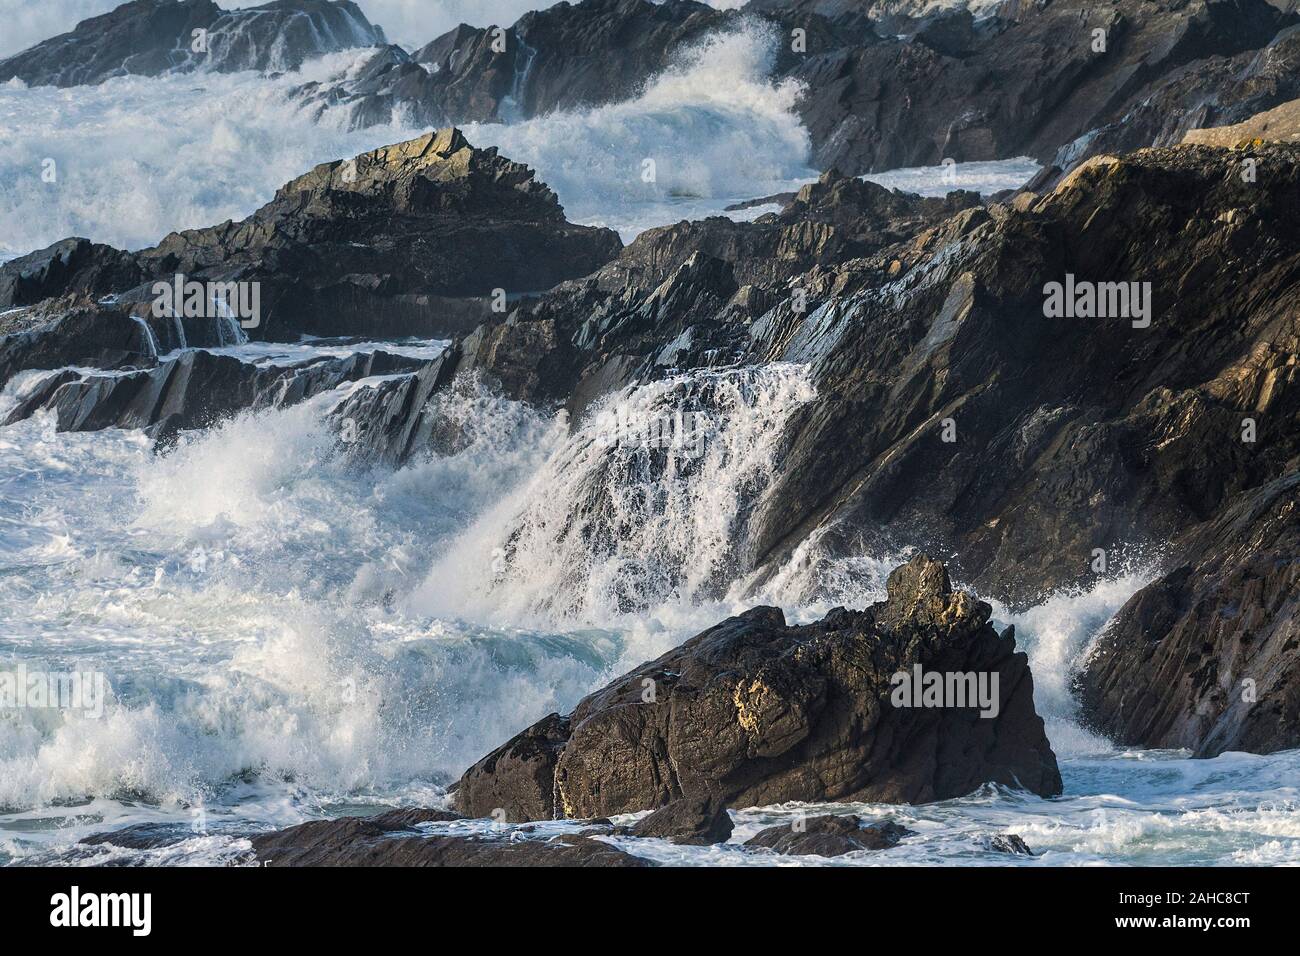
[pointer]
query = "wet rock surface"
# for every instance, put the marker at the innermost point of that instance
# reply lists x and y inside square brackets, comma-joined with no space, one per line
[392,840]
[753,712]
[1207,657]
[829,836]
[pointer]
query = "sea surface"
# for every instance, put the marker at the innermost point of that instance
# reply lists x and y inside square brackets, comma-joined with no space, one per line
[285,635]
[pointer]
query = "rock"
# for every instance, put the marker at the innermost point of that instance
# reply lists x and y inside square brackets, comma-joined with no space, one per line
[1130,439]
[1017,83]
[1215,92]
[142,836]
[68,264]
[1279,125]
[408,239]
[695,821]
[753,712]
[385,841]
[516,782]
[196,389]
[152,37]
[1207,657]
[571,56]
[830,836]
[1007,843]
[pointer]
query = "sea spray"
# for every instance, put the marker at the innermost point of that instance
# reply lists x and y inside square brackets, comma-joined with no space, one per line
[605,530]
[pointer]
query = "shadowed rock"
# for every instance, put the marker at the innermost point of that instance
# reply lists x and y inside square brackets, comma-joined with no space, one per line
[1207,656]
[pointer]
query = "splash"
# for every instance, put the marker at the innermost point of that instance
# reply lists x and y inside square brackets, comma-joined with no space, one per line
[606,531]
[708,132]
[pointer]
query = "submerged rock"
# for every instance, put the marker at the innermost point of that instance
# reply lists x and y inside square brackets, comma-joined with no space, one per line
[1008,843]
[753,712]
[829,836]
[391,840]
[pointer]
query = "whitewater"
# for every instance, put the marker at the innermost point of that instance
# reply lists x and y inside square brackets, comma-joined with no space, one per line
[287,634]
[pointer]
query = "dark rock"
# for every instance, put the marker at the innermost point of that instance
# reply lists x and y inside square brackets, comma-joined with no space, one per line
[829,836]
[516,782]
[1008,843]
[196,389]
[142,836]
[380,841]
[753,712]
[68,264]
[151,37]
[407,817]
[1207,657]
[912,89]
[695,821]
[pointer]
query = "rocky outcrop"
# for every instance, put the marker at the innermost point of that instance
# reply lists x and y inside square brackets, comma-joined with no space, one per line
[1207,657]
[829,836]
[1121,436]
[1194,101]
[1020,82]
[152,37]
[391,839]
[754,712]
[403,240]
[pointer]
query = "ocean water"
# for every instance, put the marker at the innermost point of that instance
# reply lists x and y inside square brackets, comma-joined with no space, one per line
[284,635]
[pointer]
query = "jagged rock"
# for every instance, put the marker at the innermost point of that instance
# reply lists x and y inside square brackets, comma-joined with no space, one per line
[830,836]
[387,841]
[696,821]
[193,389]
[68,264]
[151,37]
[1207,657]
[1007,843]
[1212,92]
[1018,84]
[753,712]
[402,240]
[72,332]
[1121,436]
